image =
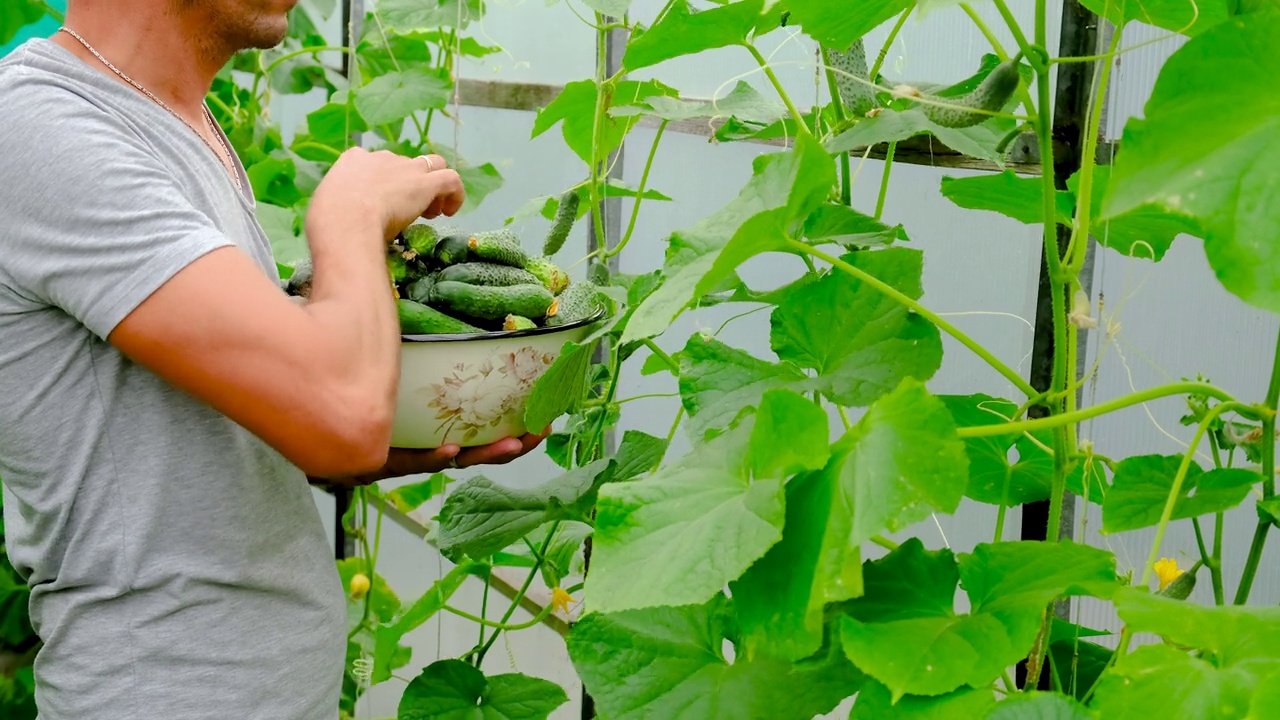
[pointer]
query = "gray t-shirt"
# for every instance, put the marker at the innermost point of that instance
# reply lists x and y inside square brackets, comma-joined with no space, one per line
[179,566]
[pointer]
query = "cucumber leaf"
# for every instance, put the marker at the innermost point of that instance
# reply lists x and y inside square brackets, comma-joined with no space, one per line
[1206,148]
[1177,15]
[875,702]
[674,667]
[1142,483]
[683,31]
[453,689]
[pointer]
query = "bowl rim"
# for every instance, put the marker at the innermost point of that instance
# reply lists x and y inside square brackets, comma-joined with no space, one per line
[503,334]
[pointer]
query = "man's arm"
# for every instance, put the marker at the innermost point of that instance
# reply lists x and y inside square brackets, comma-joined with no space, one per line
[317,382]
[403,462]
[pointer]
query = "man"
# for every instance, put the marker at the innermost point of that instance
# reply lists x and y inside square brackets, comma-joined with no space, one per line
[162,402]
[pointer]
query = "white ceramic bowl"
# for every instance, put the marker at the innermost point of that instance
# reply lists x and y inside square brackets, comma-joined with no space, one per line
[471,390]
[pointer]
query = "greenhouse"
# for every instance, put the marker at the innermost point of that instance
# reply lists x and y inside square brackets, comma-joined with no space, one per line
[639,359]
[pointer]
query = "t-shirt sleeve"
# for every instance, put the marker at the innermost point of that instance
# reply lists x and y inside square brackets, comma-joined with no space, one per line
[91,220]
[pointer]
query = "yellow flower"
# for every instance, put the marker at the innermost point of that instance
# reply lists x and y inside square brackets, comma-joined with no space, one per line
[359,585]
[1167,570]
[560,600]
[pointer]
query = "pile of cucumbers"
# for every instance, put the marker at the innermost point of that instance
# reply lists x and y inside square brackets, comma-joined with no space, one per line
[451,282]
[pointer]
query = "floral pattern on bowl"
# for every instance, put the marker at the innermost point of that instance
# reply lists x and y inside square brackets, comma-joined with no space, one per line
[476,397]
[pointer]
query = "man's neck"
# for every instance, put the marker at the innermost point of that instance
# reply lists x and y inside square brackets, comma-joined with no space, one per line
[166,53]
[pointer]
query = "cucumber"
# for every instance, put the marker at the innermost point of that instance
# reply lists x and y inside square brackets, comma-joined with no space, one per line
[420,238]
[485,273]
[515,322]
[419,290]
[419,319]
[491,303]
[452,249]
[990,95]
[566,215]
[498,246]
[858,97]
[579,301]
[397,266]
[548,273]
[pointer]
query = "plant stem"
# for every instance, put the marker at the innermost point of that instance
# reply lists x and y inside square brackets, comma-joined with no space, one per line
[1268,480]
[644,181]
[1207,559]
[1119,403]
[1080,230]
[305,51]
[670,361]
[515,602]
[837,104]
[317,146]
[593,188]
[888,43]
[884,179]
[924,312]
[884,542]
[500,627]
[777,85]
[484,608]
[1175,490]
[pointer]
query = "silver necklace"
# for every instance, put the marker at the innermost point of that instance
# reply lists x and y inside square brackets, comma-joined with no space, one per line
[210,123]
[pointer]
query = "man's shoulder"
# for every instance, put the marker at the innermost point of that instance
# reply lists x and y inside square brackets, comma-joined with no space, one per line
[42,90]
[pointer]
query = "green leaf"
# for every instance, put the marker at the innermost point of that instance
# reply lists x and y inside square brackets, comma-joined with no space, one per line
[1021,198]
[1266,701]
[575,107]
[904,631]
[1205,148]
[481,517]
[785,414]
[16,15]
[992,478]
[410,497]
[674,668]
[1038,706]
[875,702]
[676,537]
[407,16]
[272,180]
[1269,511]
[1181,686]
[838,24]
[399,94]
[785,188]
[1078,664]
[743,102]
[681,31]
[781,599]
[1141,488]
[1233,634]
[1016,580]
[978,141]
[638,453]
[1176,15]
[478,181]
[454,690]
[387,636]
[1144,232]
[561,386]
[903,462]
[279,223]
[842,224]
[717,381]
[861,342]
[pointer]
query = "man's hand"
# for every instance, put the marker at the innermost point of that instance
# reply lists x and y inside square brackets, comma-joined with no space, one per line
[402,462]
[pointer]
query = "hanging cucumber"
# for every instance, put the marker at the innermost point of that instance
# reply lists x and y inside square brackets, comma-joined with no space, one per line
[516,322]
[419,319]
[566,215]
[548,273]
[579,301]
[498,246]
[491,303]
[486,273]
[990,96]
[851,66]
